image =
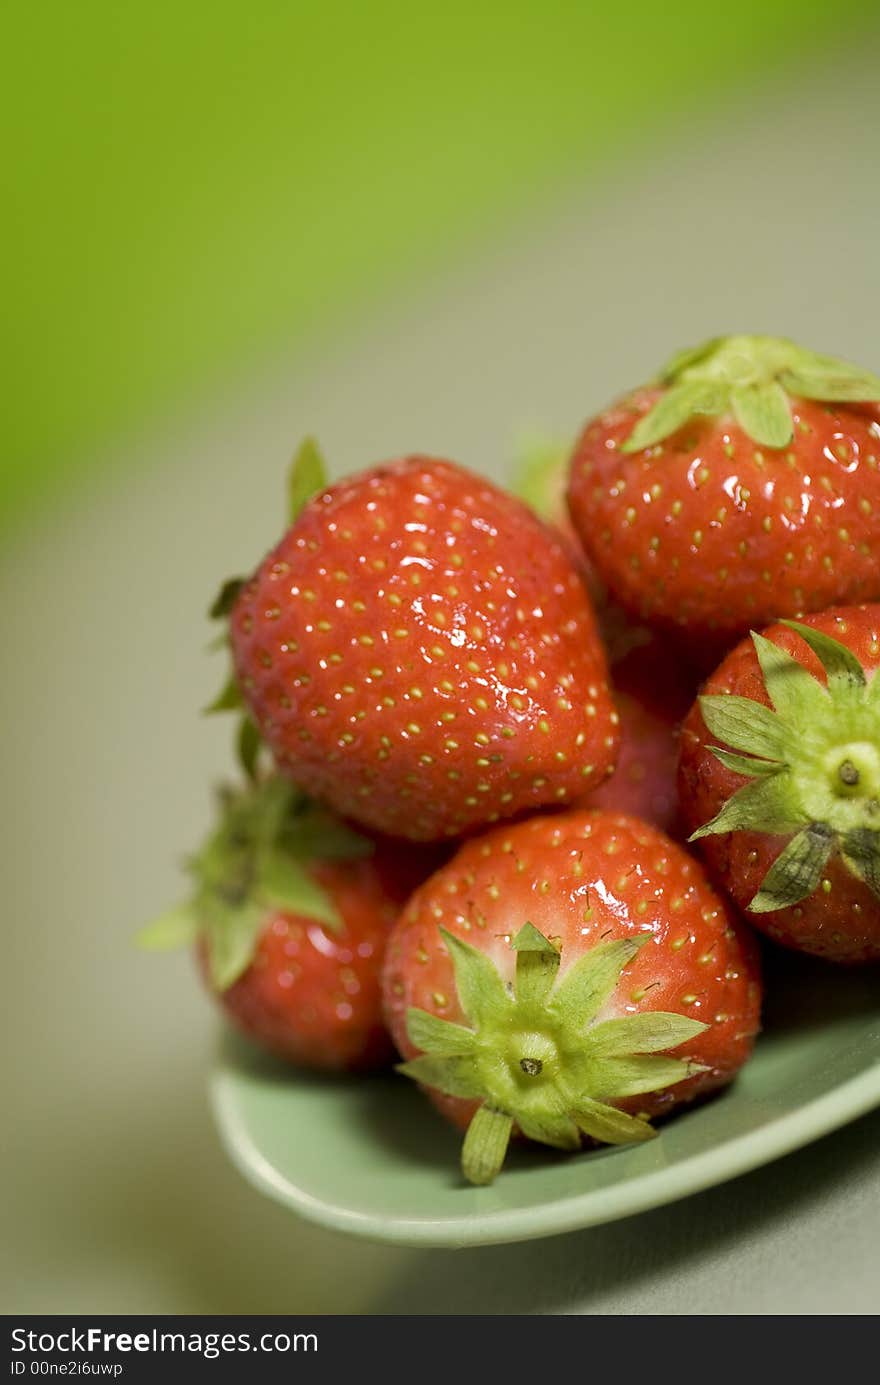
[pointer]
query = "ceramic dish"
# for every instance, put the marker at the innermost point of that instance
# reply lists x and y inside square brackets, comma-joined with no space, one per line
[371,1157]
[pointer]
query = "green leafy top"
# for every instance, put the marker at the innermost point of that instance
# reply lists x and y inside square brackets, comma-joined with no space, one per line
[305,478]
[753,379]
[814,765]
[533,1055]
[540,476]
[254,861]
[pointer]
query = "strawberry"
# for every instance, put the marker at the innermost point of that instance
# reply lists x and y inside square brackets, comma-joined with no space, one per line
[744,486]
[652,693]
[419,652]
[780,781]
[290,916]
[539,980]
[651,684]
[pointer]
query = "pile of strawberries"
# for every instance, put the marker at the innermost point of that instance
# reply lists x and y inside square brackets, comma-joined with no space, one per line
[473,747]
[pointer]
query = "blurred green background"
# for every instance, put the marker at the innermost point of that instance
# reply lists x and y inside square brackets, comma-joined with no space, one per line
[189,185]
[396,226]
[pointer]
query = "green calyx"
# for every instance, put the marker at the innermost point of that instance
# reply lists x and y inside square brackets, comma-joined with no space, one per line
[814,765]
[540,476]
[306,476]
[534,1056]
[752,379]
[256,860]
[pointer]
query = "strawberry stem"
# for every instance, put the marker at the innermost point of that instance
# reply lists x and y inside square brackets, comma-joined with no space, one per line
[256,860]
[535,1057]
[813,762]
[753,381]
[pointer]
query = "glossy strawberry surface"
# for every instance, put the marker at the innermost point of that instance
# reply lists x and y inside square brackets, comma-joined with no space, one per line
[419,652]
[709,532]
[585,878]
[311,995]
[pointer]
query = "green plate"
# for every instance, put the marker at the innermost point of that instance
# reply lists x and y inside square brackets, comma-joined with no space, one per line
[370,1156]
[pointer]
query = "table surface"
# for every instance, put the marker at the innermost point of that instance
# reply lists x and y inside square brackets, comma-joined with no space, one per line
[118,1197]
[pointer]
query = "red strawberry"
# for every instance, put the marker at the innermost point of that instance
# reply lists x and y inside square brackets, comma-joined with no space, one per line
[780,778]
[291,914]
[545,972]
[651,684]
[745,486]
[311,994]
[652,693]
[419,652]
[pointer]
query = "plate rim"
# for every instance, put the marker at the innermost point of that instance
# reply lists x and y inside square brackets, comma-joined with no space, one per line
[573,1212]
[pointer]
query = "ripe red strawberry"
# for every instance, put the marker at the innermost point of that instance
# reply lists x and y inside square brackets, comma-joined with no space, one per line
[780,781]
[545,972]
[743,487]
[290,917]
[419,652]
[652,693]
[652,685]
